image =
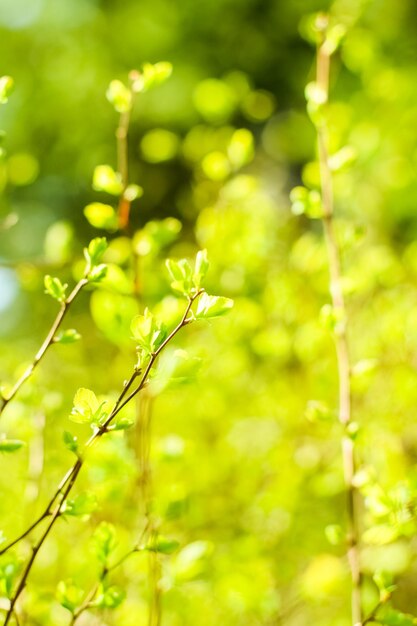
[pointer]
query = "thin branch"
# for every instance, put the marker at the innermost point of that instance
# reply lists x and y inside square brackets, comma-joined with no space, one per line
[49,339]
[341,341]
[372,616]
[70,477]
[122,167]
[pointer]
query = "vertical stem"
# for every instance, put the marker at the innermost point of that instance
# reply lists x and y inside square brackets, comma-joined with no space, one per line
[342,346]
[122,166]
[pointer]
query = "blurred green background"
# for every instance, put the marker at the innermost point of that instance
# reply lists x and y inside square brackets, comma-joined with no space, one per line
[241,477]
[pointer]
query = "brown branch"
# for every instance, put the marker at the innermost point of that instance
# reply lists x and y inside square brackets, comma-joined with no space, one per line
[341,341]
[49,339]
[70,477]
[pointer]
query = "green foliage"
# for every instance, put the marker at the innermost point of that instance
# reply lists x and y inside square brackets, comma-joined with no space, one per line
[242,462]
[55,288]
[69,594]
[212,306]
[10,445]
[82,505]
[148,332]
[6,87]
[104,541]
[87,408]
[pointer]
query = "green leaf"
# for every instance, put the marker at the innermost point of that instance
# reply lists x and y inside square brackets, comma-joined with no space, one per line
[82,505]
[332,318]
[119,96]
[385,584]
[181,274]
[55,288]
[104,541]
[10,445]
[67,336]
[97,273]
[122,424]
[148,332]
[391,617]
[86,407]
[69,595]
[70,441]
[150,76]
[101,215]
[161,544]
[9,569]
[212,306]
[110,597]
[94,252]
[200,268]
[106,179]
[133,192]
[6,87]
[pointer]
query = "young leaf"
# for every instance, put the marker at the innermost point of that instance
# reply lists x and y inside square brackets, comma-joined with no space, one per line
[55,288]
[150,76]
[101,215]
[70,441]
[96,249]
[110,597]
[97,273]
[200,268]
[67,336]
[9,570]
[104,541]
[133,192]
[81,505]
[122,424]
[10,445]
[181,274]
[106,179]
[163,545]
[119,96]
[148,332]
[69,595]
[6,87]
[212,306]
[86,407]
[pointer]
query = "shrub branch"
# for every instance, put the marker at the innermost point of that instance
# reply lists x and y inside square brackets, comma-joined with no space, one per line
[69,480]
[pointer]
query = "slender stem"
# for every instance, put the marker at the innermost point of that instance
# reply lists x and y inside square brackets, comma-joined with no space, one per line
[372,616]
[68,481]
[49,339]
[122,167]
[342,346]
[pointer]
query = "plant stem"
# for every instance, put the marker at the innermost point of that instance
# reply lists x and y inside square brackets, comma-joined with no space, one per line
[49,339]
[341,341]
[68,481]
[122,167]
